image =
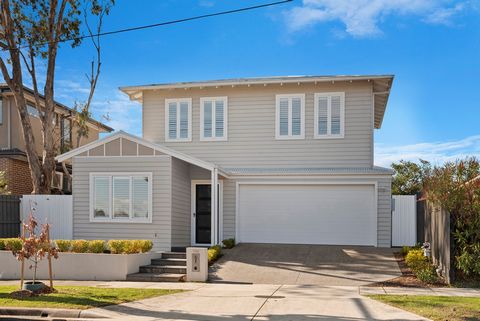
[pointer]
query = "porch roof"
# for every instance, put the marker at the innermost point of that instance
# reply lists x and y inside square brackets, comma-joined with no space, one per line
[140,141]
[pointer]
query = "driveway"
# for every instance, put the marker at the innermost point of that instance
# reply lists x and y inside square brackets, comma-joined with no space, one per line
[304,264]
[233,302]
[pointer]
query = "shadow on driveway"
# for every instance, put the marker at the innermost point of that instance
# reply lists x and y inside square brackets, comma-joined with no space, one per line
[304,264]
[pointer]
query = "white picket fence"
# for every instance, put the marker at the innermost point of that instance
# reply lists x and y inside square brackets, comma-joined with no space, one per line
[404,220]
[55,210]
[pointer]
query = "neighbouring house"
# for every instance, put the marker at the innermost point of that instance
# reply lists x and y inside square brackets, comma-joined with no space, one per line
[291,159]
[13,159]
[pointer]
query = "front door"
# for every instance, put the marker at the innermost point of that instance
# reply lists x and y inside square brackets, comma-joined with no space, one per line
[203,214]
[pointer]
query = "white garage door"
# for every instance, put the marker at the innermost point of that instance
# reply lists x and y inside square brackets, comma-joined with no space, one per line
[307,214]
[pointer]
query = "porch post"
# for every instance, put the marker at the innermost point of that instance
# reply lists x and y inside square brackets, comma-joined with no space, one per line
[214,208]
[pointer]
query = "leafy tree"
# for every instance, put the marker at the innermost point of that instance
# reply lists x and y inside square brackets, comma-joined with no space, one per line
[408,177]
[31,31]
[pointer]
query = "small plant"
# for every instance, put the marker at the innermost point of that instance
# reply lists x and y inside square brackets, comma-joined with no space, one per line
[404,251]
[228,243]
[427,274]
[3,184]
[144,246]
[117,246]
[34,247]
[80,246]
[214,253]
[96,246]
[63,245]
[11,244]
[416,260]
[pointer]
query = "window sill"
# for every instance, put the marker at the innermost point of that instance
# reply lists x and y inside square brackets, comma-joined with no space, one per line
[289,137]
[329,137]
[122,221]
[180,140]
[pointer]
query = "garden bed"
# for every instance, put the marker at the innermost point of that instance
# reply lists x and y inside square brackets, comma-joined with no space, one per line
[79,266]
[407,279]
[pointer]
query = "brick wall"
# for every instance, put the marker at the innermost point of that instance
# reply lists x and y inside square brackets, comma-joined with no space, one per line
[17,174]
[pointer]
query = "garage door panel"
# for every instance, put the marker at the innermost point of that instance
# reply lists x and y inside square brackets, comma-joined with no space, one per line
[307,214]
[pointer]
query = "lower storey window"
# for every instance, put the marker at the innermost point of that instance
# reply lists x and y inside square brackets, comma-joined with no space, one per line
[121,197]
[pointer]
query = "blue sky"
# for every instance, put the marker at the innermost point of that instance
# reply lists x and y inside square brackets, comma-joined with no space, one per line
[431,46]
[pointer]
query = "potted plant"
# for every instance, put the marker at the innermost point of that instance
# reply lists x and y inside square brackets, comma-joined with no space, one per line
[34,249]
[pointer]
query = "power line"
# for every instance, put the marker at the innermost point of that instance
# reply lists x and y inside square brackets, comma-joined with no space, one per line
[165,23]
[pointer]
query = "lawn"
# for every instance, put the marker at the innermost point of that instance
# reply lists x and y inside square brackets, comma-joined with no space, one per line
[437,308]
[79,297]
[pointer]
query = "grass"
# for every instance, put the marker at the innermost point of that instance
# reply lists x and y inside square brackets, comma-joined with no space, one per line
[79,297]
[437,308]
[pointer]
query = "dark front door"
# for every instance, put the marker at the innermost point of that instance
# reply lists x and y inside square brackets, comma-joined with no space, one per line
[203,214]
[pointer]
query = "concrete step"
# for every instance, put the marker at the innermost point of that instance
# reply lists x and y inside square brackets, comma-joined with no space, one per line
[174,255]
[156,277]
[175,269]
[170,261]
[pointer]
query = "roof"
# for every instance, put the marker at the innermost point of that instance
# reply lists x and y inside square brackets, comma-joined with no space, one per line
[381,86]
[138,140]
[5,89]
[376,170]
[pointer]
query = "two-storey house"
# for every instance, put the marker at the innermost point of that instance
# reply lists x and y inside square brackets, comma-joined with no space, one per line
[13,160]
[291,159]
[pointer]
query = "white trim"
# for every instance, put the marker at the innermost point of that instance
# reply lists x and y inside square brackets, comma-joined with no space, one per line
[110,218]
[60,187]
[192,209]
[214,127]
[1,111]
[165,150]
[277,116]
[178,101]
[312,182]
[329,135]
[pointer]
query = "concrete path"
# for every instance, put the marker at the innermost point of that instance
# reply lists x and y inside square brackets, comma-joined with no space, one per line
[305,264]
[228,302]
[365,290]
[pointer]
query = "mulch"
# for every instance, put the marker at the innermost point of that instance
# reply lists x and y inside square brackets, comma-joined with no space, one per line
[407,279]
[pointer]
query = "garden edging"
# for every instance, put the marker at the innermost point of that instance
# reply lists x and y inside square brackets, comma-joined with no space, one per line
[78,266]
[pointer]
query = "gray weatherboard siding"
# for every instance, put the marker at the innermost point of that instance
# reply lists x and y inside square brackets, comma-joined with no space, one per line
[251,127]
[159,231]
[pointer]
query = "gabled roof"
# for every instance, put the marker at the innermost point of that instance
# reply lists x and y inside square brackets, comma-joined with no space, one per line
[121,134]
[381,86]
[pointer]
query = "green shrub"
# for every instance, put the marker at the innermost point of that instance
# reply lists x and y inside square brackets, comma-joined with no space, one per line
[229,243]
[214,253]
[117,246]
[2,244]
[63,245]
[80,246]
[404,251]
[144,246]
[427,274]
[12,244]
[96,246]
[416,260]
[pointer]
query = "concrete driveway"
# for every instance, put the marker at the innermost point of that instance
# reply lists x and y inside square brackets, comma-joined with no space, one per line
[305,264]
[233,302]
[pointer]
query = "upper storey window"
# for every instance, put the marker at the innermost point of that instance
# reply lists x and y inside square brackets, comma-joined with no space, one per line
[213,118]
[290,116]
[330,115]
[178,119]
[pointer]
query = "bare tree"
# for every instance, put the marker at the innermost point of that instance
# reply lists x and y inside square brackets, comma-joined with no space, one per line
[31,30]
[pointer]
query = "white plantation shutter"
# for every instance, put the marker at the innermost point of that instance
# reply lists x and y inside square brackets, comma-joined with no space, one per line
[101,194]
[329,114]
[213,118]
[335,115]
[121,197]
[322,115]
[219,118]
[184,120]
[140,196]
[207,118]
[172,120]
[296,116]
[284,117]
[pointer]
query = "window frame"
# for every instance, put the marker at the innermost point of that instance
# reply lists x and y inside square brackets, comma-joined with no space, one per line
[167,114]
[111,218]
[214,127]
[289,136]
[63,142]
[329,134]
[1,111]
